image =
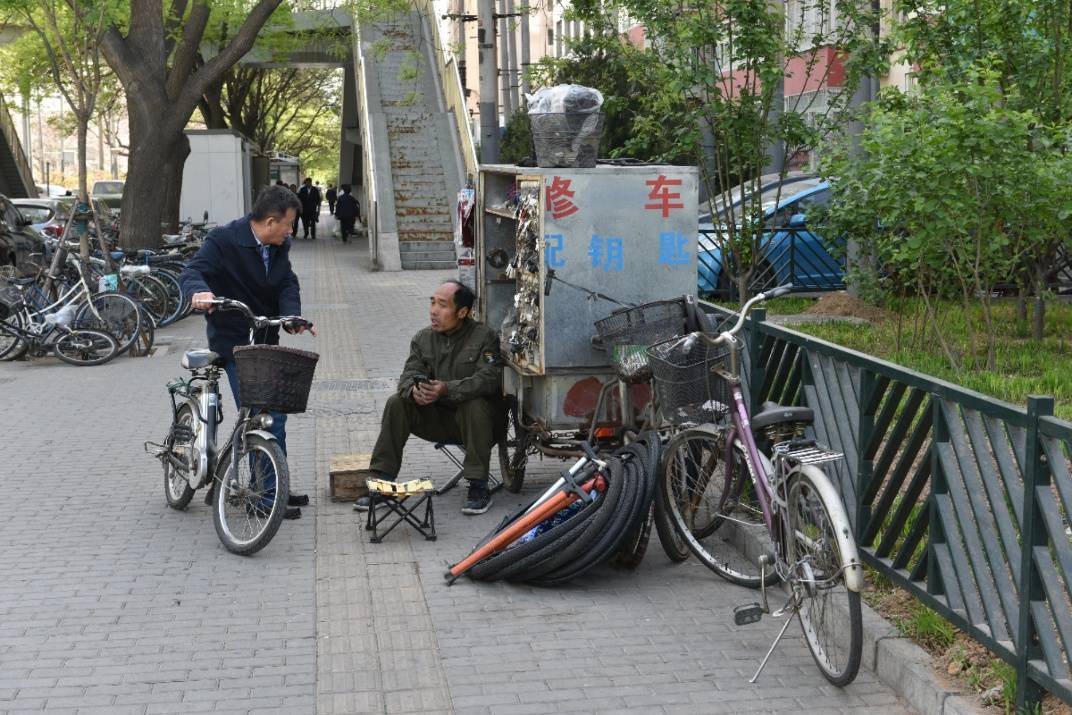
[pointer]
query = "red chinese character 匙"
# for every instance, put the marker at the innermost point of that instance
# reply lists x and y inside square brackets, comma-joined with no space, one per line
[660,192]
[558,198]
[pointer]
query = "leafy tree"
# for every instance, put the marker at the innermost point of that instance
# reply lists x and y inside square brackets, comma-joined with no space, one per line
[154,54]
[950,188]
[720,71]
[61,53]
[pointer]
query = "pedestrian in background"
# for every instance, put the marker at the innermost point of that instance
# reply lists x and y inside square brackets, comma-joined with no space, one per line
[331,194]
[346,212]
[294,231]
[309,196]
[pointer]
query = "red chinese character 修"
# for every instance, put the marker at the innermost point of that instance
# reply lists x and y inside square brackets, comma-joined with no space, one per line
[660,192]
[558,198]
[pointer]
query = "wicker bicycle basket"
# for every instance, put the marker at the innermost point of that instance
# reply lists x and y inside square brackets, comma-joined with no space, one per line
[10,300]
[274,378]
[688,388]
[627,333]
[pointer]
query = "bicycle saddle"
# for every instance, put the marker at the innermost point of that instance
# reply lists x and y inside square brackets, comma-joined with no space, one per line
[197,359]
[774,414]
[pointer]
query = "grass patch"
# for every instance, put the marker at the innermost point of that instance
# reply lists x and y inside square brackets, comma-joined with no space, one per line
[1023,366]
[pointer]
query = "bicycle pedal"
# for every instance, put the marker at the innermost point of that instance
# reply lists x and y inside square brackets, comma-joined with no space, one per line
[182,434]
[748,613]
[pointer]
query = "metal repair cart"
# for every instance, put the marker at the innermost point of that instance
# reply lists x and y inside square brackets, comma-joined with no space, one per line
[557,250]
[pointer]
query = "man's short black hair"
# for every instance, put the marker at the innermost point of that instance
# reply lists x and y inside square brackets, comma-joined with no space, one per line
[464,297]
[274,201]
[345,188]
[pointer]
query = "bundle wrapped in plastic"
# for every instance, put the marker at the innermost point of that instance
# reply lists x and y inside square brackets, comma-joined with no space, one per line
[566,125]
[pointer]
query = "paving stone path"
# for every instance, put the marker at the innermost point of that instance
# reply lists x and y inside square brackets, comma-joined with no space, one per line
[110,602]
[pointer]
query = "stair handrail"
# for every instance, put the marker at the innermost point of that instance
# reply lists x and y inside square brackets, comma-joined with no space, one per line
[446,65]
[7,127]
[367,159]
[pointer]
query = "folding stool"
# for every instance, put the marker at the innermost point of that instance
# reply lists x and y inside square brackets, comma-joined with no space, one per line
[402,499]
[448,450]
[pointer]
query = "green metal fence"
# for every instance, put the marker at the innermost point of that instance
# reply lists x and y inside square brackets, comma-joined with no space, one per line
[961,499]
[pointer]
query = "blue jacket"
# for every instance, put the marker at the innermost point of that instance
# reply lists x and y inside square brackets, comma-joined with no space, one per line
[229,264]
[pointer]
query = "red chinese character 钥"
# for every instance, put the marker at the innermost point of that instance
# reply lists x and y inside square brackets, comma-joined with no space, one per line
[558,198]
[660,193]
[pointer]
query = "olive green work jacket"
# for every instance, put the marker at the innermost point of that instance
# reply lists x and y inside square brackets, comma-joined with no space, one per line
[467,360]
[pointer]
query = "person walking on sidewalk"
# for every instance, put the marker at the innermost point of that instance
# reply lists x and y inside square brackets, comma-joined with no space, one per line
[309,196]
[330,194]
[249,260]
[346,212]
[450,391]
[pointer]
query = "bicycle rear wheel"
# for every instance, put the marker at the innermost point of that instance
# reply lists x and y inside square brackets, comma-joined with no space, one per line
[714,512]
[829,612]
[153,295]
[177,488]
[86,347]
[513,450]
[250,499]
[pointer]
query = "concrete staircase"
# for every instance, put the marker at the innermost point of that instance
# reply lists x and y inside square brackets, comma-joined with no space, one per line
[421,157]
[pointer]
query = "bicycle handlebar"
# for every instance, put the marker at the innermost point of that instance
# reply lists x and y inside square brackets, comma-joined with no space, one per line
[728,335]
[259,321]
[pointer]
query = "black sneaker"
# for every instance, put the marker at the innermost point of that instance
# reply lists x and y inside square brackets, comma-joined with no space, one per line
[477,499]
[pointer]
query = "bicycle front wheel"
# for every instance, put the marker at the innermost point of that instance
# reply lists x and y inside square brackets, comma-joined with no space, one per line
[12,347]
[829,612]
[251,496]
[86,347]
[712,509]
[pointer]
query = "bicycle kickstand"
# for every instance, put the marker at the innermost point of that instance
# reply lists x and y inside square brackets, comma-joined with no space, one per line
[774,645]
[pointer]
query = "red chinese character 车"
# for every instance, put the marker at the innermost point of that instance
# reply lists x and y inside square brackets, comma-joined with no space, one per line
[660,192]
[558,198]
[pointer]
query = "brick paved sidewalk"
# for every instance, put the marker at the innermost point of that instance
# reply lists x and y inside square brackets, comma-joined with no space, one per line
[110,602]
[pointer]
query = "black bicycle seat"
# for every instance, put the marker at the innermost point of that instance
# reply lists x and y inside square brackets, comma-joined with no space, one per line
[197,359]
[775,414]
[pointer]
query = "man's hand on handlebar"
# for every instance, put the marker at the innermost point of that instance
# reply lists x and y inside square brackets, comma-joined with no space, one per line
[299,326]
[202,301]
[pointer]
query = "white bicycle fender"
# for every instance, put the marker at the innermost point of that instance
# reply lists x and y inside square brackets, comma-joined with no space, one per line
[853,569]
[262,433]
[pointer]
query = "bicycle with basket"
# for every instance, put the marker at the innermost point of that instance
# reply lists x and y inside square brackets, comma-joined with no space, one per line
[248,476]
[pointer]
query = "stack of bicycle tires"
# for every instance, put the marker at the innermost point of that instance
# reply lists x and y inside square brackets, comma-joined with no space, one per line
[593,534]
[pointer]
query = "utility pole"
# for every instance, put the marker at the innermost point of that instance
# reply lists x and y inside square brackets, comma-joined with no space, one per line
[525,53]
[511,53]
[489,83]
[504,62]
[40,140]
[27,136]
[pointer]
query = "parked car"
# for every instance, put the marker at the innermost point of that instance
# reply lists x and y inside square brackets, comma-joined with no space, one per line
[17,239]
[791,252]
[48,215]
[109,193]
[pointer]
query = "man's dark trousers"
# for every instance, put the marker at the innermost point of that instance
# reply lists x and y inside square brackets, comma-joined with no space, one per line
[308,225]
[470,423]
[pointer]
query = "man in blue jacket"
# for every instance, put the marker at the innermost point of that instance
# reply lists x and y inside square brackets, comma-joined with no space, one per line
[249,260]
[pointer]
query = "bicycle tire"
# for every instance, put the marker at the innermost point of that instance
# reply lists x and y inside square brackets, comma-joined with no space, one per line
[726,534]
[513,450]
[814,549]
[85,347]
[631,554]
[151,292]
[237,502]
[116,313]
[177,489]
[13,347]
[143,345]
[176,296]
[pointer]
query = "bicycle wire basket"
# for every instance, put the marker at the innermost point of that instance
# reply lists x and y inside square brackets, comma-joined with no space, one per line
[275,378]
[683,372]
[11,300]
[626,334]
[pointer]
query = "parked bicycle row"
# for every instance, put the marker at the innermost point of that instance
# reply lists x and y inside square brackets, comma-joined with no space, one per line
[87,307]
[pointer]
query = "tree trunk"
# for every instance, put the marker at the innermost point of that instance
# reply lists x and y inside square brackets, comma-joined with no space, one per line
[172,175]
[143,198]
[1038,323]
[83,183]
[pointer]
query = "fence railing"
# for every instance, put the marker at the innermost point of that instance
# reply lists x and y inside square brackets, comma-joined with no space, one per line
[959,498]
[810,262]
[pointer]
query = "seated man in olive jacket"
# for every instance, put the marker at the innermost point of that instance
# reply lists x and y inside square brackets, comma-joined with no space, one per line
[449,392]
